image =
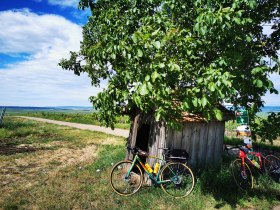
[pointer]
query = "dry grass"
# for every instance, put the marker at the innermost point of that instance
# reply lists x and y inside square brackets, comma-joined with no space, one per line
[24,167]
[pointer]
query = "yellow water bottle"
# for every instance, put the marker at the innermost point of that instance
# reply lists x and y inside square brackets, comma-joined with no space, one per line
[156,167]
[256,163]
[148,167]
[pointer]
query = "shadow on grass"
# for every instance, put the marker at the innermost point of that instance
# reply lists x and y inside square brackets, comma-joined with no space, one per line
[221,185]
[10,149]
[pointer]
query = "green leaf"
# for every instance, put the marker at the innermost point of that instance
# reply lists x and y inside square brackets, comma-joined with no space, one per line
[137,100]
[176,67]
[204,101]
[143,89]
[134,38]
[248,38]
[147,78]
[195,102]
[218,114]
[212,86]
[158,115]
[139,53]
[124,53]
[237,20]
[157,44]
[155,32]
[199,80]
[155,75]
[150,86]
[258,83]
[161,65]
[186,105]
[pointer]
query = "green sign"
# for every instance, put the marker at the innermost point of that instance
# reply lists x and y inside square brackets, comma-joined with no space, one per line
[242,120]
[242,117]
[241,113]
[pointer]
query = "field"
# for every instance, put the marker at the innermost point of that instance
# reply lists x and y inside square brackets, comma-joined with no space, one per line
[44,166]
[71,116]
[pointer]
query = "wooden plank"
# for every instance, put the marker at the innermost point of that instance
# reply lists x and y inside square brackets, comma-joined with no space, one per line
[195,143]
[202,145]
[190,128]
[152,144]
[133,135]
[2,115]
[210,144]
[177,139]
[218,150]
[186,134]
[157,139]
[169,134]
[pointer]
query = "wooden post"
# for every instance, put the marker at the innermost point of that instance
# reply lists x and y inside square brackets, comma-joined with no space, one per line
[2,115]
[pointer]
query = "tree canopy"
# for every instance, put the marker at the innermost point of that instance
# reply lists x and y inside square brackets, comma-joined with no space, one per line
[172,56]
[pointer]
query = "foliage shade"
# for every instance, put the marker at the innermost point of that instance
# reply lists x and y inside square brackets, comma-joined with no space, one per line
[167,57]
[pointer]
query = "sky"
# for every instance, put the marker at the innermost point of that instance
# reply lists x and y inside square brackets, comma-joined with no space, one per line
[34,36]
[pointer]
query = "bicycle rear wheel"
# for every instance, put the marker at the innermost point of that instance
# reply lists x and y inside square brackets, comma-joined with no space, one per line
[125,179]
[271,164]
[178,180]
[242,175]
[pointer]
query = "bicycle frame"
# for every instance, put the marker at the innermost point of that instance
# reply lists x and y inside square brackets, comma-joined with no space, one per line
[151,176]
[244,158]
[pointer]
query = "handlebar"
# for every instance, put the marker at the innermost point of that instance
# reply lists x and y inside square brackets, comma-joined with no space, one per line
[137,151]
[246,150]
[167,153]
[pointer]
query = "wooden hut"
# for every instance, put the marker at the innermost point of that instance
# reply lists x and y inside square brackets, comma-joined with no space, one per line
[201,139]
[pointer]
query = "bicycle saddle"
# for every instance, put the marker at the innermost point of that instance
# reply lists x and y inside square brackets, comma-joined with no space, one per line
[142,153]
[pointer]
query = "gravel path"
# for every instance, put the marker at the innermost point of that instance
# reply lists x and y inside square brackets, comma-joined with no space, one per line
[116,131]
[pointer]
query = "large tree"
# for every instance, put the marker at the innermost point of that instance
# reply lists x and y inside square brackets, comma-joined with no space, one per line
[168,57]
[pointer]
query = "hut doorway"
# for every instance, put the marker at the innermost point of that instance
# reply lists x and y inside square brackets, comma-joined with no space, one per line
[142,140]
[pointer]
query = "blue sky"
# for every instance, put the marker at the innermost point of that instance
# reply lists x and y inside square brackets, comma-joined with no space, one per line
[34,36]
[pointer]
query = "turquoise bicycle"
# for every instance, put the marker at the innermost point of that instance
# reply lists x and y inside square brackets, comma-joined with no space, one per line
[175,178]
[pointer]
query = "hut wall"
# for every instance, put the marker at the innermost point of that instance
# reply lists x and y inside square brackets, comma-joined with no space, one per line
[203,142]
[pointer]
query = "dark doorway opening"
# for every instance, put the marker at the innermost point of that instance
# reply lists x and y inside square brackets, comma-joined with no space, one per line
[142,140]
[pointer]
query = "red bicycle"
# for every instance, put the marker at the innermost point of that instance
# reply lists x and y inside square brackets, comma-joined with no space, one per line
[241,167]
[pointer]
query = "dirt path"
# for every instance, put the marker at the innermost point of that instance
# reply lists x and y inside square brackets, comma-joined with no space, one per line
[116,132]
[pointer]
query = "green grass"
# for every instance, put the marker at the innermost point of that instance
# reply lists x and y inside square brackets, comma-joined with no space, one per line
[262,145]
[56,184]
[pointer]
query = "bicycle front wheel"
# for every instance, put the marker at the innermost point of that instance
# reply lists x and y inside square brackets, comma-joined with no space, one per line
[177,180]
[126,179]
[242,175]
[271,164]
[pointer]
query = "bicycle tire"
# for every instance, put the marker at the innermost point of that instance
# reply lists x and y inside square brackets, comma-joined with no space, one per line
[271,163]
[179,179]
[123,183]
[242,177]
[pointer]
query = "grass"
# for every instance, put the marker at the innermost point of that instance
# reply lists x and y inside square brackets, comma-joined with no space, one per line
[69,169]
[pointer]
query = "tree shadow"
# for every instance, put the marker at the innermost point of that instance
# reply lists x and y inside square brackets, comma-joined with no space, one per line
[221,185]
[11,149]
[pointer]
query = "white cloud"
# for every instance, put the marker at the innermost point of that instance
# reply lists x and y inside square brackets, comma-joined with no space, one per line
[39,81]
[65,3]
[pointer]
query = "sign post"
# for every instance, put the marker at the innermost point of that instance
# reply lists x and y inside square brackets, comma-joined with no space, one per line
[2,115]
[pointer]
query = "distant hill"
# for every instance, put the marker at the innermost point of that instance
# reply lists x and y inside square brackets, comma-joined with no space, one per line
[54,108]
